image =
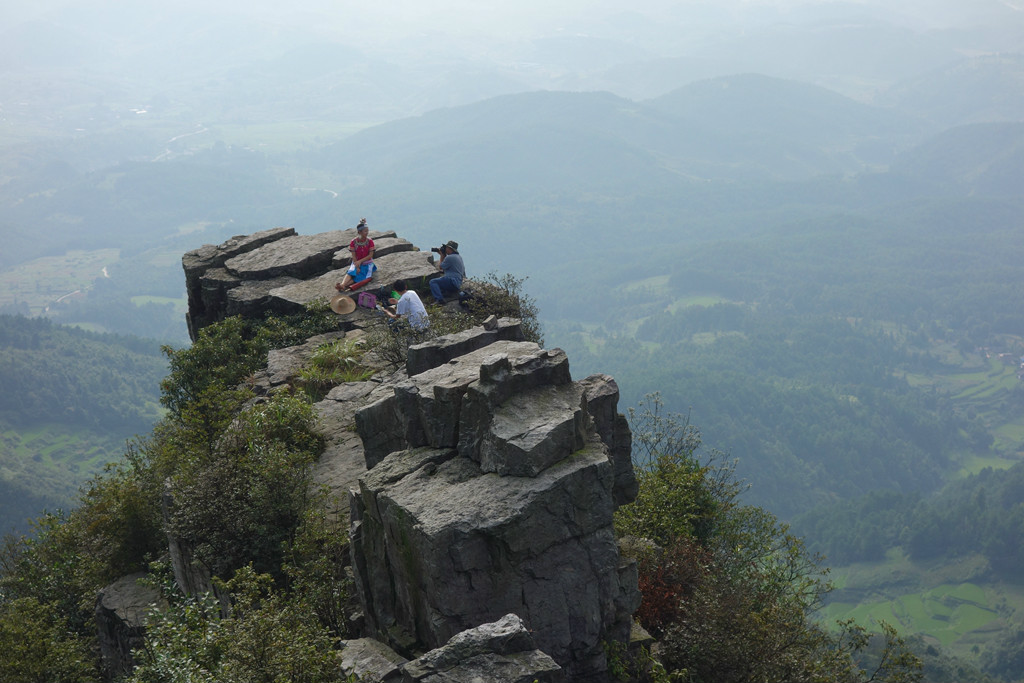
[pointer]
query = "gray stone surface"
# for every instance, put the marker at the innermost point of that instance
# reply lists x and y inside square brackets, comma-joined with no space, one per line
[252,299]
[499,652]
[213,256]
[299,256]
[502,377]
[500,501]
[121,610]
[436,352]
[206,292]
[342,462]
[424,410]
[532,431]
[601,394]
[443,546]
[370,661]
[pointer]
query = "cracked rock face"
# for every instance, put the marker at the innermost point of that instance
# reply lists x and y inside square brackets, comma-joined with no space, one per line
[490,491]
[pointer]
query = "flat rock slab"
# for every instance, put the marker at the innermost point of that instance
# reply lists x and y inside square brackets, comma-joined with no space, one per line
[411,266]
[212,256]
[252,299]
[436,352]
[296,255]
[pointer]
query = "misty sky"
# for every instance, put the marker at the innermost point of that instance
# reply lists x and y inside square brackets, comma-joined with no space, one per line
[410,56]
[393,20]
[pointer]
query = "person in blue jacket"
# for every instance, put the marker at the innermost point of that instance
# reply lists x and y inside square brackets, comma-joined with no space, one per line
[453,271]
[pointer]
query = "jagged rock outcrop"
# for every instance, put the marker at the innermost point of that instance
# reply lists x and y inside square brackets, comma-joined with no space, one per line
[121,610]
[489,491]
[481,478]
[499,652]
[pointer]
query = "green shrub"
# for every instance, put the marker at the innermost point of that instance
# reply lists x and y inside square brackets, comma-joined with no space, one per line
[267,637]
[503,296]
[332,364]
[316,567]
[227,352]
[38,646]
[246,501]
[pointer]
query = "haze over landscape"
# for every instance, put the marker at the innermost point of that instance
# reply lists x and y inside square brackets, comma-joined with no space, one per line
[801,223]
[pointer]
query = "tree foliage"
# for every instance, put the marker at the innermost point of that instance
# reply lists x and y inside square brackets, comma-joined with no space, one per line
[238,473]
[36,646]
[266,637]
[728,590]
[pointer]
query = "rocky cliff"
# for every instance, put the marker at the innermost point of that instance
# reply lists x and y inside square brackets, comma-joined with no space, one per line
[481,478]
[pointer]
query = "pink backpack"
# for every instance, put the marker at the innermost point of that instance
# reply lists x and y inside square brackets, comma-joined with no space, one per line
[367,300]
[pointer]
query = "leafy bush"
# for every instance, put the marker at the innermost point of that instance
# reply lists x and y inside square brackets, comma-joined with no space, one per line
[227,352]
[249,497]
[240,475]
[503,296]
[265,638]
[317,575]
[37,646]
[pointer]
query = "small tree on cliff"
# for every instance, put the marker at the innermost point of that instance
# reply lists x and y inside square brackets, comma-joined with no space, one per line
[727,590]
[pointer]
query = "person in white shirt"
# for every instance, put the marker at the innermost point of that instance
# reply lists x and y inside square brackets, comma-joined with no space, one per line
[407,306]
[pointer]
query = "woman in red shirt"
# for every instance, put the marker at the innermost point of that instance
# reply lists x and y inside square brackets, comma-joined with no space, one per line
[362,267]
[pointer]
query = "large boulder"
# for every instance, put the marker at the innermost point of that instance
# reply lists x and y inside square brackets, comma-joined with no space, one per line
[489,491]
[500,652]
[121,610]
[206,298]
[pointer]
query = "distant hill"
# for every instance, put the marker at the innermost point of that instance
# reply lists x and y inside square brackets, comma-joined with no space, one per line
[738,128]
[753,104]
[986,159]
[974,90]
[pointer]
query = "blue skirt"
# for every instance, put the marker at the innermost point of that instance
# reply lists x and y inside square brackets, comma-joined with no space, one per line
[362,272]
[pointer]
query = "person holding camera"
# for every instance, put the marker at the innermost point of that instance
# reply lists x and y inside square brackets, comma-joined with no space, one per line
[453,271]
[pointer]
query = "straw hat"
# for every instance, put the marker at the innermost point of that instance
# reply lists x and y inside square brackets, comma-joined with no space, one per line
[342,304]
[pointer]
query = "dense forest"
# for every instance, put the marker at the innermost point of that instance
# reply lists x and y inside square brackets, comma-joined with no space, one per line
[983,514]
[71,398]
